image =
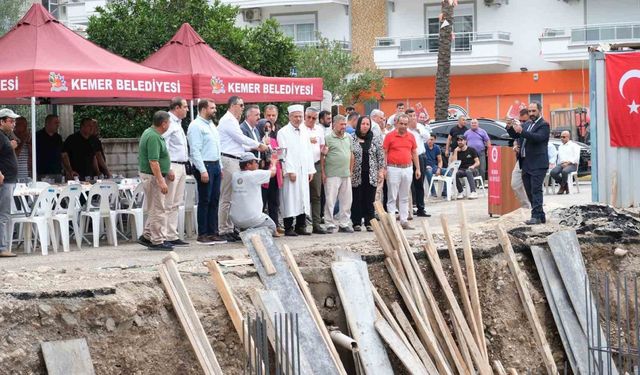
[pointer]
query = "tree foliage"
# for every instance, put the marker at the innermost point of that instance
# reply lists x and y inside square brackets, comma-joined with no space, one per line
[135,29]
[336,66]
[10,13]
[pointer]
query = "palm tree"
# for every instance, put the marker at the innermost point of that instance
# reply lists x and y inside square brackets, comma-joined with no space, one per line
[444,61]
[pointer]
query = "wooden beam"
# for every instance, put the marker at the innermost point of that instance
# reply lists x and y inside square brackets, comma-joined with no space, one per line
[386,224]
[386,313]
[397,346]
[227,297]
[527,302]
[424,331]
[464,348]
[383,240]
[67,357]
[497,365]
[183,306]
[413,337]
[481,363]
[262,254]
[462,287]
[311,305]
[471,279]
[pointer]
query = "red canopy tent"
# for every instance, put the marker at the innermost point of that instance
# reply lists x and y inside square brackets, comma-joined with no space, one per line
[48,63]
[215,77]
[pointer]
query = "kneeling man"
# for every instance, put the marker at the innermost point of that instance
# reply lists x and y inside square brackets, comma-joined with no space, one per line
[246,196]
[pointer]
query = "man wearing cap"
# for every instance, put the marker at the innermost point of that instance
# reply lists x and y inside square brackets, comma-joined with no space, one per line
[246,197]
[179,153]
[298,169]
[205,157]
[469,163]
[232,145]
[8,178]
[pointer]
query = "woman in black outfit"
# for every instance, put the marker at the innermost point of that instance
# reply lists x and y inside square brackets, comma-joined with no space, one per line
[368,171]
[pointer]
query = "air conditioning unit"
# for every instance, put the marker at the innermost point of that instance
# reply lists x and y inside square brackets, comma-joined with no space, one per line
[495,3]
[252,15]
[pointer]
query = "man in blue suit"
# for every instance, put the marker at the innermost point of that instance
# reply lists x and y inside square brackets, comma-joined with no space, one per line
[249,126]
[532,139]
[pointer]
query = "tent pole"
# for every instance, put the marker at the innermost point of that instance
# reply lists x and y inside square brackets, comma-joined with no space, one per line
[34,176]
[191,111]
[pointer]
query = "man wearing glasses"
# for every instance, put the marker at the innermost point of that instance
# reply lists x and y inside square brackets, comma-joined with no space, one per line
[568,159]
[533,137]
[232,146]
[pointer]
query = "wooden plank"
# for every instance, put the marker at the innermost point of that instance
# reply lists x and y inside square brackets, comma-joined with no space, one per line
[288,292]
[408,360]
[262,254]
[67,357]
[311,305]
[463,343]
[386,223]
[471,279]
[187,314]
[413,279]
[413,338]
[359,309]
[236,262]
[383,240]
[269,304]
[497,365]
[386,313]
[527,302]
[462,287]
[438,323]
[227,296]
[559,300]
[481,363]
[424,330]
[512,371]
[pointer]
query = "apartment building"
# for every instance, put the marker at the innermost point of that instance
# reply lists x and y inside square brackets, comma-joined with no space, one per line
[505,52]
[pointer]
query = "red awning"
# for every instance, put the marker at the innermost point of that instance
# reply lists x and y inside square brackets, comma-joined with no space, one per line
[45,59]
[217,78]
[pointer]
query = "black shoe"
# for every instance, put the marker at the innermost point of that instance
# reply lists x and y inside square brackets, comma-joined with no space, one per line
[236,236]
[204,240]
[144,241]
[357,228]
[165,246]
[422,214]
[178,242]
[345,230]
[229,237]
[302,232]
[290,232]
[543,220]
[319,230]
[533,221]
[213,239]
[369,228]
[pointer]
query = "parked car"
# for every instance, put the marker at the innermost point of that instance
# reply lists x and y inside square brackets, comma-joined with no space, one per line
[499,136]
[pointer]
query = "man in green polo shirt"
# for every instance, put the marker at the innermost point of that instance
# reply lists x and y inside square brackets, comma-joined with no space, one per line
[154,164]
[337,163]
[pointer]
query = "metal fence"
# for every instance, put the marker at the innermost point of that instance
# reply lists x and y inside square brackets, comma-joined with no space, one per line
[259,359]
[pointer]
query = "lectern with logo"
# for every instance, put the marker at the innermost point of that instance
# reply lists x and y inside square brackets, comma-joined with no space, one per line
[502,199]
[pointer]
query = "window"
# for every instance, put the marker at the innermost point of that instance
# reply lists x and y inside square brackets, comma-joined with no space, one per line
[301,27]
[462,26]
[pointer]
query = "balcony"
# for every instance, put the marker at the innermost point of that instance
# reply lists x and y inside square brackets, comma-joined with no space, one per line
[468,50]
[570,44]
[315,43]
[245,4]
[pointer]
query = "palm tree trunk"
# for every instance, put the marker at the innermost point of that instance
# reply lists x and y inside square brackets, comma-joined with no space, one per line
[444,62]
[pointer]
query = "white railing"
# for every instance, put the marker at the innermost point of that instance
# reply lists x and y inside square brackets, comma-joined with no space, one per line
[462,42]
[587,34]
[314,43]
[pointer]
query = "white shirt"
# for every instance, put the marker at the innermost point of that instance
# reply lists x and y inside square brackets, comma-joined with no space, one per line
[231,138]
[569,152]
[552,152]
[392,120]
[246,196]
[176,140]
[420,143]
[375,128]
[317,133]
[425,131]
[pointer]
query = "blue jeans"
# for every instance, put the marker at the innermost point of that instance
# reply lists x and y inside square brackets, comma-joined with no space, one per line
[6,195]
[209,199]
[429,173]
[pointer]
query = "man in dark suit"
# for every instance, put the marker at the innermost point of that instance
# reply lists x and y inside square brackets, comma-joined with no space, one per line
[532,138]
[249,126]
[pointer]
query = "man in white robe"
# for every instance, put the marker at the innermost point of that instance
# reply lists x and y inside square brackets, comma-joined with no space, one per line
[298,170]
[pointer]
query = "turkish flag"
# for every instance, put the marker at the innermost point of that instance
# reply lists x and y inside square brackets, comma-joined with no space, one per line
[623,98]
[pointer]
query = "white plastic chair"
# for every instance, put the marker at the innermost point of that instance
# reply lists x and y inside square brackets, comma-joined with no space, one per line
[447,179]
[107,193]
[134,210]
[67,211]
[40,217]
[571,180]
[189,209]
[480,184]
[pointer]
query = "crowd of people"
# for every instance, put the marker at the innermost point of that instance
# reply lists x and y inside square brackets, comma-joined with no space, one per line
[259,173]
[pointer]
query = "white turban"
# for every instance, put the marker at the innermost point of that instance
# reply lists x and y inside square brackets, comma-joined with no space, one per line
[295,108]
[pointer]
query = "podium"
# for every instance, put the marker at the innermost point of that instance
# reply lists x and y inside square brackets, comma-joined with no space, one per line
[502,199]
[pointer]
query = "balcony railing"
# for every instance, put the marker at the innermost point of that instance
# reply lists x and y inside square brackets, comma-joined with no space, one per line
[314,43]
[593,34]
[462,42]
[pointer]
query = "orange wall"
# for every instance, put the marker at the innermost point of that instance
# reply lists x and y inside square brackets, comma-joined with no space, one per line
[491,95]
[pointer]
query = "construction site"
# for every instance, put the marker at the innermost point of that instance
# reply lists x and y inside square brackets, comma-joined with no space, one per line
[460,294]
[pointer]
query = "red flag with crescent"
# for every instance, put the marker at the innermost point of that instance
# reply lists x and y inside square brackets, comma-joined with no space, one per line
[623,98]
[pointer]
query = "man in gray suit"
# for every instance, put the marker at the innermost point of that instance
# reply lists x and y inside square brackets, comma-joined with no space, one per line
[249,126]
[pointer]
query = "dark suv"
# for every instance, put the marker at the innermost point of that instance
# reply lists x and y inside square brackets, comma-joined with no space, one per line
[499,137]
